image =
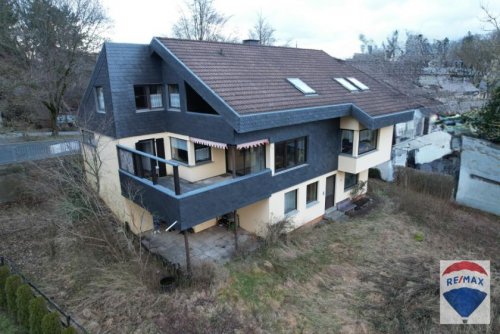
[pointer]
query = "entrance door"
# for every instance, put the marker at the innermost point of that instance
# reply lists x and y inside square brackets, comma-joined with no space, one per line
[330,192]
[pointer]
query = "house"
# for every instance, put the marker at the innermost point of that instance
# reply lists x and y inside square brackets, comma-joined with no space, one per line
[195,130]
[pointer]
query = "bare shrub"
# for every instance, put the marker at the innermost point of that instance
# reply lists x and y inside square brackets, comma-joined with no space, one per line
[277,232]
[438,185]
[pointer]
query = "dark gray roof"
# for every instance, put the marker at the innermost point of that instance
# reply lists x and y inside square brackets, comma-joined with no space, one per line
[252,79]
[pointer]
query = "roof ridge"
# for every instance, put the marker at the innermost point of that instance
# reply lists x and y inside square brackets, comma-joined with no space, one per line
[242,44]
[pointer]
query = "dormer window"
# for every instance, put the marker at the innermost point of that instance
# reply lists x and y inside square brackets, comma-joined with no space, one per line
[148,97]
[351,84]
[301,86]
[99,96]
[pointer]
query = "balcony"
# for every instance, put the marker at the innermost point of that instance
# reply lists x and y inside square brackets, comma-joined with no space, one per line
[354,165]
[154,184]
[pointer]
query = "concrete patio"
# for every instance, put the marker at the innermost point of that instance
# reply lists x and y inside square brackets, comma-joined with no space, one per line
[215,244]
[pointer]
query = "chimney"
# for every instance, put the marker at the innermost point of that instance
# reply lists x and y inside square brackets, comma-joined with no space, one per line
[251,42]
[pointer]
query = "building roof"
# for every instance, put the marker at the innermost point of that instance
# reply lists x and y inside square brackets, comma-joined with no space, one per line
[252,79]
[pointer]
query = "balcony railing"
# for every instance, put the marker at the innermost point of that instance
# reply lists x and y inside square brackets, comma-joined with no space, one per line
[148,166]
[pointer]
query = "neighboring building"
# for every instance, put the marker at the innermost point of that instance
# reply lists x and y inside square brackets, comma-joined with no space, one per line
[479,180]
[195,130]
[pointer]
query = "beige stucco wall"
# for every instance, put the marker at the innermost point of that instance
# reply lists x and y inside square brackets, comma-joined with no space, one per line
[355,164]
[255,217]
[340,193]
[138,218]
[350,123]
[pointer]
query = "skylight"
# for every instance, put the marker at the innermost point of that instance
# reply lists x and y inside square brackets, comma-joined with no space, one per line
[358,83]
[346,84]
[301,85]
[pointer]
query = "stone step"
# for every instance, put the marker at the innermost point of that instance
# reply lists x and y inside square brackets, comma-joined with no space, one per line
[336,216]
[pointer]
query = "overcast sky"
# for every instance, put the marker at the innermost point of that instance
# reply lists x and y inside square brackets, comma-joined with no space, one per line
[330,25]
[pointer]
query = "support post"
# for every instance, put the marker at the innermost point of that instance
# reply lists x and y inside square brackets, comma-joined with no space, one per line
[232,150]
[155,170]
[177,184]
[235,226]
[188,256]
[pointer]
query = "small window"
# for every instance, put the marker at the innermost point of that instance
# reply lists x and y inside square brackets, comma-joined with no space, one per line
[312,193]
[179,149]
[290,201]
[346,84]
[202,153]
[347,139]
[350,180]
[290,153]
[99,94]
[367,141]
[358,83]
[88,138]
[148,97]
[174,97]
[301,86]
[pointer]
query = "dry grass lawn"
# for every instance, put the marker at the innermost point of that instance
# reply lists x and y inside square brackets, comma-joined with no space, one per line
[375,273]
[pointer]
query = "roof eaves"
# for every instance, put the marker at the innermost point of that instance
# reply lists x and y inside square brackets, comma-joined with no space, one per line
[376,122]
[274,119]
[228,113]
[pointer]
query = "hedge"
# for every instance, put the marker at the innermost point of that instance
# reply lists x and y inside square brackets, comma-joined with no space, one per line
[4,273]
[23,297]
[11,284]
[69,330]
[51,324]
[37,311]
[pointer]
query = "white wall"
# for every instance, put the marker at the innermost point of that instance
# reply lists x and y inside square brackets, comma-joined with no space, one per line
[479,182]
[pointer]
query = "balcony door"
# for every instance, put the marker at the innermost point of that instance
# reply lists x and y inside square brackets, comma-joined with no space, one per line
[154,147]
[330,192]
[247,161]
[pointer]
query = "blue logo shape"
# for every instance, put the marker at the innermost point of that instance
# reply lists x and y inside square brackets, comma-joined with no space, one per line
[464,300]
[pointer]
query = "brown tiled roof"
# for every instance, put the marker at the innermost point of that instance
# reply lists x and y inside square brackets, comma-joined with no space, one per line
[252,78]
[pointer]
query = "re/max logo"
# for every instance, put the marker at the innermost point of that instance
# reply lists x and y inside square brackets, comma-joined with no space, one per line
[465,279]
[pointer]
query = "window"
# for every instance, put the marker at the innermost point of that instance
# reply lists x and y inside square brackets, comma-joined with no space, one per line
[202,153]
[367,140]
[148,97]
[347,138]
[290,153]
[346,84]
[174,97]
[88,138]
[99,95]
[290,201]
[249,160]
[179,149]
[312,193]
[350,180]
[358,83]
[301,86]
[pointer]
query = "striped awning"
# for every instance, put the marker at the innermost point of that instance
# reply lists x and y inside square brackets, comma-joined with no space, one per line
[208,143]
[252,144]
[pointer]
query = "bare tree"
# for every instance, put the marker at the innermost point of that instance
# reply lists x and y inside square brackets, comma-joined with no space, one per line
[392,49]
[201,22]
[262,31]
[52,36]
